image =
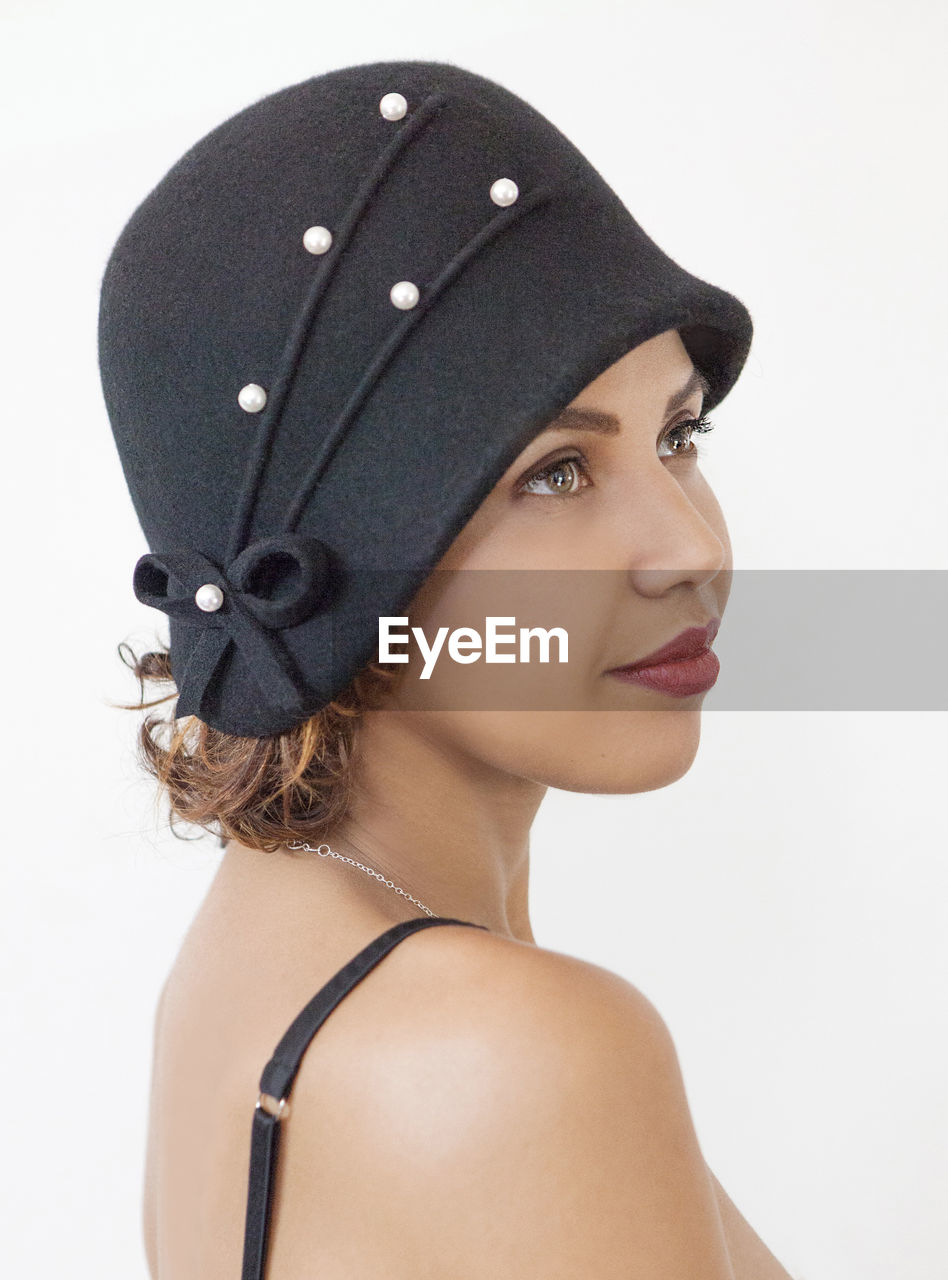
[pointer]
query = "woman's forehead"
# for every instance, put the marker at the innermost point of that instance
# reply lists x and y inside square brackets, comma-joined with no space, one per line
[655,373]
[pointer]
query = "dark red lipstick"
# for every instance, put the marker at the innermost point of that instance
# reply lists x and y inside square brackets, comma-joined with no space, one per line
[681,668]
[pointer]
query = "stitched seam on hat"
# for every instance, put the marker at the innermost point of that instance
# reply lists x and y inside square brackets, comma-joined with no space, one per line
[292,352]
[429,295]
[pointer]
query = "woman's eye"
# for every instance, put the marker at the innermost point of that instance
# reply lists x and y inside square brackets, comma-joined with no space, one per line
[693,426]
[559,475]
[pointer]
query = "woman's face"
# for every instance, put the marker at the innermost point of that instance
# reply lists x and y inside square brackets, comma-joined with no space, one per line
[612,534]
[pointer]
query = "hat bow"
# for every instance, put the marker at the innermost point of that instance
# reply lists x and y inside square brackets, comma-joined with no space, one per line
[274,583]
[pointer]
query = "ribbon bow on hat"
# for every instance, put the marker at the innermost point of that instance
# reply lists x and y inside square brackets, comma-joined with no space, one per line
[273,583]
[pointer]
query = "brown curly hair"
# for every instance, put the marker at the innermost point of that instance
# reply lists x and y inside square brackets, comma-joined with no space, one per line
[258,791]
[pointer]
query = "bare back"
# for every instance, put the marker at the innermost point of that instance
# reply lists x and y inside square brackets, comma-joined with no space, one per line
[242,975]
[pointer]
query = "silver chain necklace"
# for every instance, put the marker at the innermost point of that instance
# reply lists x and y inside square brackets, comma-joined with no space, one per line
[331,853]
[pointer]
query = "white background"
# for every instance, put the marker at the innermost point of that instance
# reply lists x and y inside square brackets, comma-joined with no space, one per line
[784,903]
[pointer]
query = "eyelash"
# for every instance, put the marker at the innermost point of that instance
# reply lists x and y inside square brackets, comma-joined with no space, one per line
[697,426]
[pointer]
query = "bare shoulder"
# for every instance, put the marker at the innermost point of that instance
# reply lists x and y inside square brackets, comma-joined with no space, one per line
[599,1023]
[524,1114]
[515,989]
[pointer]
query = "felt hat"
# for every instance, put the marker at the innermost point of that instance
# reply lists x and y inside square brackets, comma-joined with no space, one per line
[325,335]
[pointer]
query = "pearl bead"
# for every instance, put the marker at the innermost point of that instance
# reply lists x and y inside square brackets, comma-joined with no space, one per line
[317,239]
[393,106]
[252,397]
[404,295]
[504,191]
[209,597]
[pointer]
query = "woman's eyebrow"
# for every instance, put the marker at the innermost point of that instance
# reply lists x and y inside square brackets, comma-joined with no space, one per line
[576,418]
[573,418]
[697,382]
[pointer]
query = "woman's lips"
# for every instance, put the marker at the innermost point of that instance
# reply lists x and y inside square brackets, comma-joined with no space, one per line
[683,667]
[680,679]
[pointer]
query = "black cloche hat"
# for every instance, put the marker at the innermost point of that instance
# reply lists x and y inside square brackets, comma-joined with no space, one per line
[326,334]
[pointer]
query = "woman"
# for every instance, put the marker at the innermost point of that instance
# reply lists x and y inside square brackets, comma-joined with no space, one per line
[478,1105]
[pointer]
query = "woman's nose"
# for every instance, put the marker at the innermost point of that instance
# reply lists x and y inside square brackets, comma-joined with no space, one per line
[670,535]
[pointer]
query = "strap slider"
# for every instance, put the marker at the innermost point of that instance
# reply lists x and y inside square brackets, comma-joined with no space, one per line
[278,1107]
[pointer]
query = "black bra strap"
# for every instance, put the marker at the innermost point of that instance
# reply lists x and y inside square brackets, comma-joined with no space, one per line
[279,1073]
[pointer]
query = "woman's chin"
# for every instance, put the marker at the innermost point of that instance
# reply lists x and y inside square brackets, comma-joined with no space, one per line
[597,752]
[641,751]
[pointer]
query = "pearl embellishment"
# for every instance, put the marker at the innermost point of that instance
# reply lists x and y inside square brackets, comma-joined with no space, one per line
[252,397]
[404,295]
[209,597]
[393,106]
[317,239]
[504,192]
